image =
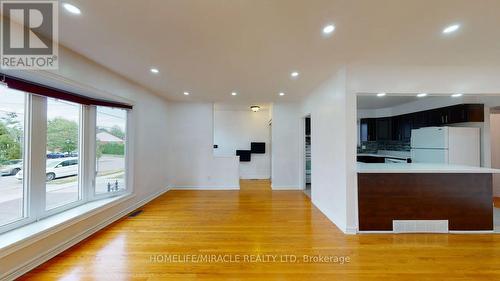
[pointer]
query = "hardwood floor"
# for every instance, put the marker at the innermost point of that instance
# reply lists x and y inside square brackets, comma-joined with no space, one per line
[258,221]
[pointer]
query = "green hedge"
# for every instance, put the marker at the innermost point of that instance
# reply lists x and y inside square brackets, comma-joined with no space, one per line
[113,148]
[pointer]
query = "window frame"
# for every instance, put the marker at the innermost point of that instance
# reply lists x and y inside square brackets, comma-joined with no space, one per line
[35,156]
[94,195]
[82,131]
[26,217]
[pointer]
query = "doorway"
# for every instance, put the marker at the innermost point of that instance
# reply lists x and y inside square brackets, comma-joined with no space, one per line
[307,158]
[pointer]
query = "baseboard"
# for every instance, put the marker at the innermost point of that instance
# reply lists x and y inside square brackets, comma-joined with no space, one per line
[229,187]
[449,232]
[255,177]
[284,187]
[471,232]
[43,257]
[351,230]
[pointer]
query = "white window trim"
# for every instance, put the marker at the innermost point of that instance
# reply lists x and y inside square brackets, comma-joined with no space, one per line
[34,183]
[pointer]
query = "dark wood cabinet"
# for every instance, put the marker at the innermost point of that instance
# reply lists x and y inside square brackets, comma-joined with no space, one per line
[402,126]
[456,114]
[460,113]
[420,119]
[436,117]
[462,199]
[473,112]
[370,159]
[398,128]
[368,129]
[384,128]
[405,127]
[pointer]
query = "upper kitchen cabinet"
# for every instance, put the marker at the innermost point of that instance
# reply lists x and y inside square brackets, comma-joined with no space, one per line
[398,128]
[420,119]
[402,126]
[406,125]
[435,117]
[384,128]
[368,129]
[460,113]
[465,113]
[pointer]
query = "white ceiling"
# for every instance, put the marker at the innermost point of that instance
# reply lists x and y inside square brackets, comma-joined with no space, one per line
[214,47]
[239,106]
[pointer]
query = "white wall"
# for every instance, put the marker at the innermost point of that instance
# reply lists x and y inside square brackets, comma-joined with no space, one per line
[192,163]
[328,108]
[330,174]
[286,146]
[495,151]
[150,135]
[235,130]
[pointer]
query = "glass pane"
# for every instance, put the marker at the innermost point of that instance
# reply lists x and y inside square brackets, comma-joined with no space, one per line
[110,152]
[63,130]
[12,104]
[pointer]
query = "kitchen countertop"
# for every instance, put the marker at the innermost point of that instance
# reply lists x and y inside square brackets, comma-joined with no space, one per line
[388,154]
[410,168]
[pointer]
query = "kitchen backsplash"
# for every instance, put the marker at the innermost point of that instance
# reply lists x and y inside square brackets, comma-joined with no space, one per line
[374,146]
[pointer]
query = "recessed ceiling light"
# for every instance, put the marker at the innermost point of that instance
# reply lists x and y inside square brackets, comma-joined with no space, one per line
[452,28]
[72,8]
[234,94]
[155,70]
[422,95]
[282,94]
[294,74]
[328,29]
[456,95]
[186,93]
[381,95]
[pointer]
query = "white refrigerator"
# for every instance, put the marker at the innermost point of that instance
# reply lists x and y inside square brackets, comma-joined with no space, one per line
[446,145]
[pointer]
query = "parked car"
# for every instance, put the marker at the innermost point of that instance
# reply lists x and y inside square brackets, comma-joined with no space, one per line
[58,168]
[71,154]
[55,155]
[11,167]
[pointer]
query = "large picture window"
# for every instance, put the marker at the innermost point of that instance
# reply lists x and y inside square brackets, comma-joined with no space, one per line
[58,150]
[111,127]
[12,120]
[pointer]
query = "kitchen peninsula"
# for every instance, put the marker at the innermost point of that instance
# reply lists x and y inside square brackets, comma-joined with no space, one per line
[459,195]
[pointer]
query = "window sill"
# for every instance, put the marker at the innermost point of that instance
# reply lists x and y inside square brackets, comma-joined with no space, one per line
[26,235]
